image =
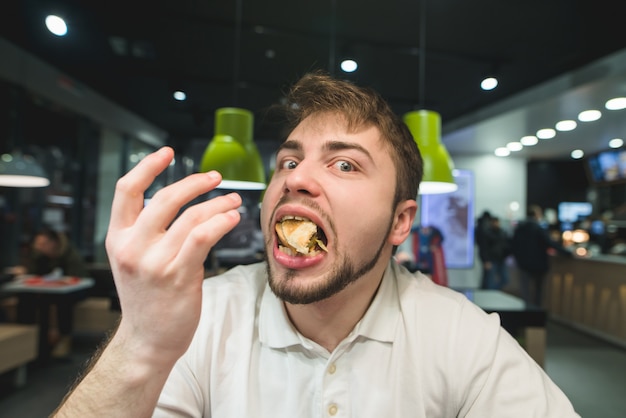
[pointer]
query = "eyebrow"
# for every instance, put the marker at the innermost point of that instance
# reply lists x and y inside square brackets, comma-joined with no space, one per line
[294,145]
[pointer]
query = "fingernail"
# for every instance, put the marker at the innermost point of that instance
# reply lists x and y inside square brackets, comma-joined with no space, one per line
[234,197]
[213,174]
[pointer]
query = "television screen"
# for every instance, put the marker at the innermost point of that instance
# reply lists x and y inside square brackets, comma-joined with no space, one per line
[607,166]
[574,211]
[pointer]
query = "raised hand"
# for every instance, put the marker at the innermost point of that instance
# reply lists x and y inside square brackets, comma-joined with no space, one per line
[157,258]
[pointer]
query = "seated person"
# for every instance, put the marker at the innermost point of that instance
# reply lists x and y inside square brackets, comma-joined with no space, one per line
[51,253]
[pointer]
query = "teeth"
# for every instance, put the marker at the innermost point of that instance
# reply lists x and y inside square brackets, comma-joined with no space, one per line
[297,218]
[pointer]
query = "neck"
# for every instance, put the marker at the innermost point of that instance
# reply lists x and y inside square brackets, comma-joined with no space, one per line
[329,321]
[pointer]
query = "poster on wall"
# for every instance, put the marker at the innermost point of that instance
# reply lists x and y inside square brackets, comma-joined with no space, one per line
[453,214]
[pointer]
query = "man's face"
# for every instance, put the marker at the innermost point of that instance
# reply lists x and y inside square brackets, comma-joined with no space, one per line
[343,182]
[45,245]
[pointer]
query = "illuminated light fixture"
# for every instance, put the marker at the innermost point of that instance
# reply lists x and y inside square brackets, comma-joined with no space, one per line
[425,126]
[502,152]
[589,115]
[616,142]
[577,154]
[180,95]
[489,83]
[617,103]
[514,146]
[56,25]
[17,170]
[349,65]
[529,140]
[546,133]
[566,125]
[233,153]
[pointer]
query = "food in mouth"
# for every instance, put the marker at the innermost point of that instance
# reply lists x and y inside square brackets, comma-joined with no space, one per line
[299,235]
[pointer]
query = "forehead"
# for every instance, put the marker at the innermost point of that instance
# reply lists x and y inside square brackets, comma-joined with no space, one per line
[330,126]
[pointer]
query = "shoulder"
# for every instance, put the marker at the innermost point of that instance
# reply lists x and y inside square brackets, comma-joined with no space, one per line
[238,283]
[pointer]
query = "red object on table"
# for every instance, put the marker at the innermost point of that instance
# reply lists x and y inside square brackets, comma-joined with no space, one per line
[39,281]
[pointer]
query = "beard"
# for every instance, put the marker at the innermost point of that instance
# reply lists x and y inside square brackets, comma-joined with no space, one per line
[343,273]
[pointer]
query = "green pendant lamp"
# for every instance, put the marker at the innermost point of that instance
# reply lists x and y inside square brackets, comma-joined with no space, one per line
[425,126]
[233,153]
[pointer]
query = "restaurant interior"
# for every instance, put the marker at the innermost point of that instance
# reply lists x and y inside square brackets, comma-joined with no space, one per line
[84,99]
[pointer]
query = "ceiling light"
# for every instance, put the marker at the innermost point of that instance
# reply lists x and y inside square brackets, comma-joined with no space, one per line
[489,83]
[502,152]
[589,115]
[529,140]
[617,103]
[349,66]
[233,153]
[577,154]
[425,126]
[616,142]
[546,133]
[17,170]
[56,25]
[566,125]
[514,146]
[180,95]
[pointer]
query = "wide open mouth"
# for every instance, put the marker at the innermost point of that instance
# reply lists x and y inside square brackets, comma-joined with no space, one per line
[300,236]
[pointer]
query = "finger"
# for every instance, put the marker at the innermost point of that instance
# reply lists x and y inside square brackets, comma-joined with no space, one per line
[166,204]
[197,215]
[201,239]
[130,189]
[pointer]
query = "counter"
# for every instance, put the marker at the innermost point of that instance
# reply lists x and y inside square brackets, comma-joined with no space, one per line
[589,294]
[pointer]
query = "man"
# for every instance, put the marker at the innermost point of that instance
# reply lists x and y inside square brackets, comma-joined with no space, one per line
[341,330]
[530,245]
[495,249]
[52,254]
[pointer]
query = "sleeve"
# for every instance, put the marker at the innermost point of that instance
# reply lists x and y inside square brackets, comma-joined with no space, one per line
[504,381]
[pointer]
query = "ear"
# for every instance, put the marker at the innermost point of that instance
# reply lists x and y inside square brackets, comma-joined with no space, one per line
[402,222]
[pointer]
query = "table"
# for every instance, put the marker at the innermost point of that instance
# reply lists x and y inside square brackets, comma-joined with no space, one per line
[36,296]
[526,323]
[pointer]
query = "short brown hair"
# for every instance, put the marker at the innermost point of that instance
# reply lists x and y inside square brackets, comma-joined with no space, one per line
[362,107]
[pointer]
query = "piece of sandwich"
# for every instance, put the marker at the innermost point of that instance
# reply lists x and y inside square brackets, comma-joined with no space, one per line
[300,235]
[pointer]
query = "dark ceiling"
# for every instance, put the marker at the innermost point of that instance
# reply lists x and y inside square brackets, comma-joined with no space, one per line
[245,53]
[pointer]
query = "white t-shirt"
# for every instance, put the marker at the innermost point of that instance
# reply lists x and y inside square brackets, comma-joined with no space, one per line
[421,350]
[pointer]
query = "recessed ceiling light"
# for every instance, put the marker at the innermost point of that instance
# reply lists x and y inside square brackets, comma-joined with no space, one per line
[546,133]
[617,103]
[180,95]
[514,146]
[577,154]
[489,83]
[56,25]
[566,125]
[349,66]
[529,140]
[589,115]
[502,152]
[616,142]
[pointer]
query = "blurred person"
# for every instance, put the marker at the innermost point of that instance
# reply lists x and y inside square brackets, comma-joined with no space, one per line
[423,251]
[530,247]
[328,324]
[51,255]
[494,251]
[480,230]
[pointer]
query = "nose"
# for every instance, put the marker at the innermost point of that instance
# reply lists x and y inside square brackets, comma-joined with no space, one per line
[303,179]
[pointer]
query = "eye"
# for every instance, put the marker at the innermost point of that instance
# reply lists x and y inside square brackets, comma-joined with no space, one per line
[289,164]
[344,166]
